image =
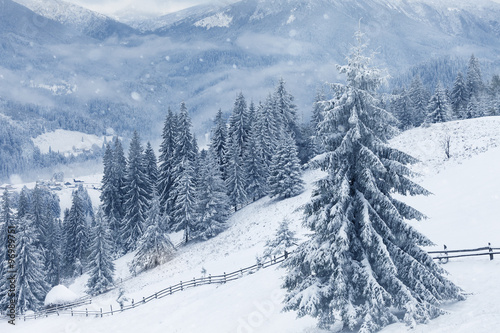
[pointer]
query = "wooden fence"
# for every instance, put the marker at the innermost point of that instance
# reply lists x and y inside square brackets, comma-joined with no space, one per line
[68,309]
[182,285]
[445,255]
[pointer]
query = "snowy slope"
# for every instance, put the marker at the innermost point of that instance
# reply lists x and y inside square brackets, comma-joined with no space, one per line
[69,142]
[463,212]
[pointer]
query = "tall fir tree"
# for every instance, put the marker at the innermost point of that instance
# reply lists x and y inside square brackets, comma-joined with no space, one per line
[167,161]
[100,265]
[183,189]
[151,165]
[239,125]
[155,247]
[286,110]
[31,287]
[284,179]
[76,238]
[236,181]
[459,97]
[363,262]
[212,200]
[137,196]
[419,97]
[402,108]
[438,110]
[475,84]
[256,169]
[218,142]
[268,128]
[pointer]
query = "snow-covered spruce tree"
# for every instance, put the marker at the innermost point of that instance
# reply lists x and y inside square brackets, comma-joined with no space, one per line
[236,177]
[167,161]
[76,238]
[218,142]
[283,239]
[31,287]
[100,265]
[150,165]
[267,123]
[459,97]
[401,108]
[185,211]
[283,102]
[362,267]
[52,252]
[155,247]
[182,193]
[475,84]
[137,196]
[438,110]
[239,125]
[419,97]
[284,179]
[119,174]
[256,167]
[213,202]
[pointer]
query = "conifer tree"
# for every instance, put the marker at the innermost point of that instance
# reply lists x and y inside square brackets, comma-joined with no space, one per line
[268,128]
[256,167]
[218,142]
[31,287]
[283,240]
[284,173]
[119,175]
[459,97]
[213,202]
[363,262]
[475,84]
[101,267]
[151,165]
[239,125]
[76,237]
[167,161]
[419,97]
[137,197]
[438,110]
[182,199]
[286,110]
[236,177]
[403,110]
[155,247]
[185,210]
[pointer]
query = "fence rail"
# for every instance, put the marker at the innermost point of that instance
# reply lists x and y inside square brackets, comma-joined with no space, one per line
[444,257]
[182,285]
[68,309]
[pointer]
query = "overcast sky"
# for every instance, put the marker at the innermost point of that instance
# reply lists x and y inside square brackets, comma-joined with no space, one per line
[146,7]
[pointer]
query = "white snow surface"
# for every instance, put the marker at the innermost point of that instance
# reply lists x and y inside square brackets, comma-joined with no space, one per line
[221,20]
[68,142]
[462,213]
[60,295]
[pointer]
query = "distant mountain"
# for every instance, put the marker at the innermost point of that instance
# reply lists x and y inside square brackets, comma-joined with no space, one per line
[89,23]
[60,69]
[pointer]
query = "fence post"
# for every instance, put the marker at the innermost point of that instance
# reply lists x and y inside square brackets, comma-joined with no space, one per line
[224,277]
[209,278]
[133,305]
[181,286]
[194,281]
[491,251]
[286,254]
[156,295]
[101,312]
[143,300]
[71,312]
[86,312]
[170,290]
[111,307]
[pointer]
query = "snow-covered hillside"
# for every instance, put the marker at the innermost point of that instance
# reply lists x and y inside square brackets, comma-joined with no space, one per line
[463,213]
[69,142]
